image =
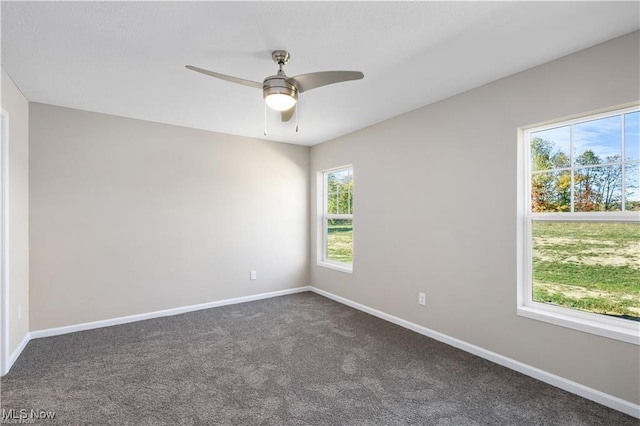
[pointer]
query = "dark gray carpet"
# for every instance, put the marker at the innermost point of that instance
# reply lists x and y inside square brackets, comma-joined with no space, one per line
[292,360]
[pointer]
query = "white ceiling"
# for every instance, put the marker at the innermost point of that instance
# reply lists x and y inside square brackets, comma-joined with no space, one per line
[127,58]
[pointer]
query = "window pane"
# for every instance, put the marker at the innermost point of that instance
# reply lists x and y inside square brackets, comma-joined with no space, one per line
[597,189]
[550,149]
[551,192]
[332,203]
[598,141]
[340,240]
[632,136]
[340,192]
[632,191]
[592,267]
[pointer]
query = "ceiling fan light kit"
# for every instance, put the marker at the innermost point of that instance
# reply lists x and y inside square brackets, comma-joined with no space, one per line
[281,92]
[280,101]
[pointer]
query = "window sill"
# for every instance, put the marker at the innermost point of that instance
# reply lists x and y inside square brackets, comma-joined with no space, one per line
[346,268]
[613,328]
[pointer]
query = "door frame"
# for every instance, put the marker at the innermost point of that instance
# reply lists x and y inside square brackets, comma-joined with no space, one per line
[4,242]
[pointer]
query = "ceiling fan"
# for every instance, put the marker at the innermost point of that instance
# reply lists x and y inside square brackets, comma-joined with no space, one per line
[279,91]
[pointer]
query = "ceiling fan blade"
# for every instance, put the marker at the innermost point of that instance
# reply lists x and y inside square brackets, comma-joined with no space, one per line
[287,114]
[226,77]
[310,81]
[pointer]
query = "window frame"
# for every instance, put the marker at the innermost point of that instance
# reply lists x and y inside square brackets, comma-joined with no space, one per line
[598,324]
[323,219]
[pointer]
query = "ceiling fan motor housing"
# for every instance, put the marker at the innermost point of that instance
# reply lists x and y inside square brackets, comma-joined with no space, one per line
[278,84]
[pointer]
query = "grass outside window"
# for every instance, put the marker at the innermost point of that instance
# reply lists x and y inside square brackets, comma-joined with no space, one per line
[589,266]
[340,240]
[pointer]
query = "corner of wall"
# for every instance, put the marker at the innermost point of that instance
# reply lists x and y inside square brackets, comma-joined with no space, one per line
[15,223]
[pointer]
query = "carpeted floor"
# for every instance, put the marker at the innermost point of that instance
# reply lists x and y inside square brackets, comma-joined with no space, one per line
[293,360]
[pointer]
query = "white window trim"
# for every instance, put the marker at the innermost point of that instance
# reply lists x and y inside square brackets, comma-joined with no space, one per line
[322,223]
[601,325]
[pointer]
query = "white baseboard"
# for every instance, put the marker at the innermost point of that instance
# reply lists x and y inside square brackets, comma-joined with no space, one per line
[16,353]
[544,376]
[139,317]
[157,314]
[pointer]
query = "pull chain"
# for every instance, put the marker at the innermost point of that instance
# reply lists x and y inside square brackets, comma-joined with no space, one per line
[297,112]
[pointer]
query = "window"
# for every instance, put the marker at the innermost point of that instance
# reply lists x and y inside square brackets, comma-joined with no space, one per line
[580,224]
[336,251]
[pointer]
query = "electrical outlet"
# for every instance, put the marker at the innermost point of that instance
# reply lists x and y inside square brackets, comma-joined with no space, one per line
[253,275]
[422,298]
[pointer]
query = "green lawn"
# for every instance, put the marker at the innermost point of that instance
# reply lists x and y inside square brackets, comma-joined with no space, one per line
[593,267]
[340,241]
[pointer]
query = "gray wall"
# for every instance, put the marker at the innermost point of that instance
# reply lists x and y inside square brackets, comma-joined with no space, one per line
[16,106]
[130,217]
[435,211]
